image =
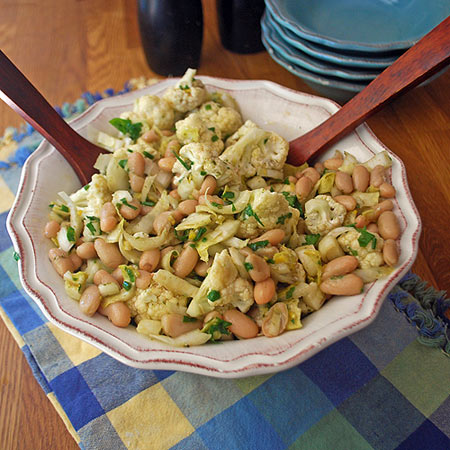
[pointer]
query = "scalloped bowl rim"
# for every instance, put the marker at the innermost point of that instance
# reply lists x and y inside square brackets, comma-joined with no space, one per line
[231,359]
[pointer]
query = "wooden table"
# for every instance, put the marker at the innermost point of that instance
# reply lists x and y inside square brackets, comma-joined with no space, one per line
[67,47]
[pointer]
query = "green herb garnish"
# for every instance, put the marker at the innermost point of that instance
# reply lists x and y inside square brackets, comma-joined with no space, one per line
[283,218]
[93,218]
[271,261]
[293,202]
[181,236]
[148,203]
[248,212]
[215,138]
[353,252]
[228,195]
[148,155]
[312,239]
[70,233]
[186,164]
[217,205]
[203,173]
[213,295]
[86,187]
[200,232]
[16,256]
[258,244]
[185,87]
[125,202]
[286,181]
[187,319]
[216,328]
[130,274]
[248,266]
[212,129]
[91,228]
[126,285]
[64,208]
[208,107]
[126,126]
[265,140]
[365,238]
[290,292]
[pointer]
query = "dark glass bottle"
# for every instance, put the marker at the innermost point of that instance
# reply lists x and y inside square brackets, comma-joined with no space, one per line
[239,24]
[171,34]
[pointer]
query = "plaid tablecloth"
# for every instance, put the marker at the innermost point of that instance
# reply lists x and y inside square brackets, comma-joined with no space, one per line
[379,388]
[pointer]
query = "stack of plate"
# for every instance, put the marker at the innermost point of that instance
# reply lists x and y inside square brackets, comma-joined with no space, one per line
[338,47]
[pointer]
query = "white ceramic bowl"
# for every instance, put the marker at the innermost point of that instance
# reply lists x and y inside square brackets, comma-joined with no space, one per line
[273,107]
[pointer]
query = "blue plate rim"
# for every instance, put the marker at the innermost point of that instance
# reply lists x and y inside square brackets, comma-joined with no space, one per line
[294,57]
[310,76]
[331,42]
[325,54]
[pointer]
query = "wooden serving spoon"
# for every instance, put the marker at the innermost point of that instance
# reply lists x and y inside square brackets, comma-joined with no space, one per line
[422,60]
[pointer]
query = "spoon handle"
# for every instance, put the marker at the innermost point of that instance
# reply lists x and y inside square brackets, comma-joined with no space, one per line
[421,61]
[18,93]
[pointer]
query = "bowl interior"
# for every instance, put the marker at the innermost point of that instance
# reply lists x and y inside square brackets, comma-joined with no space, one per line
[273,107]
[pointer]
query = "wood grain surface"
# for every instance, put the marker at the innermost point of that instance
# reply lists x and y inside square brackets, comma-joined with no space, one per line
[67,47]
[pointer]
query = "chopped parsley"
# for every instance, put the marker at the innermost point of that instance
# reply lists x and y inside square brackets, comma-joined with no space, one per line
[290,292]
[186,164]
[93,218]
[187,319]
[312,239]
[248,266]
[129,150]
[293,202]
[208,107]
[123,163]
[258,244]
[265,140]
[283,218]
[203,173]
[126,126]
[233,208]
[248,212]
[126,285]
[185,87]
[64,208]
[215,138]
[125,202]
[213,295]
[286,181]
[148,155]
[70,233]
[181,236]
[353,252]
[16,256]
[216,327]
[271,261]
[148,203]
[86,187]
[200,232]
[217,205]
[130,274]
[364,237]
[227,195]
[212,129]
[91,227]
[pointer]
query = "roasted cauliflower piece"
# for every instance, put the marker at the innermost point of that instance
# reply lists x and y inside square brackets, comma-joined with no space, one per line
[225,119]
[267,210]
[187,94]
[322,214]
[221,288]
[155,111]
[369,255]
[256,152]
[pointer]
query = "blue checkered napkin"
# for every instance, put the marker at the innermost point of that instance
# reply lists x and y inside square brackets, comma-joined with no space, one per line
[378,388]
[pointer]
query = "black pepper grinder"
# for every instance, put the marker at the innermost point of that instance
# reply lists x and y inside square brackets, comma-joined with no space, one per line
[239,24]
[171,33]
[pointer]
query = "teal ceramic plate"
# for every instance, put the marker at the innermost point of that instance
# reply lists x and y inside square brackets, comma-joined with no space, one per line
[330,87]
[305,61]
[360,25]
[340,57]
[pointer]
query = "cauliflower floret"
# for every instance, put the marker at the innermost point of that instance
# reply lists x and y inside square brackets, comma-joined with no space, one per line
[267,210]
[225,99]
[226,120]
[90,201]
[322,214]
[155,301]
[286,267]
[187,94]
[200,158]
[368,256]
[155,111]
[195,129]
[256,152]
[222,278]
